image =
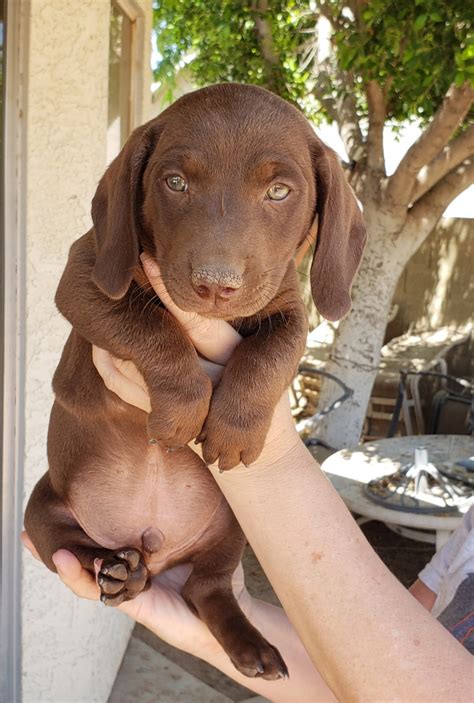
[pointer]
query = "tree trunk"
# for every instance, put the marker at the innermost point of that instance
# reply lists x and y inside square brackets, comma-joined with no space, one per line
[355,354]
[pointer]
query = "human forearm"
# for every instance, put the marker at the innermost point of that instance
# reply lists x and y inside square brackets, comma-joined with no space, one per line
[368,637]
[348,609]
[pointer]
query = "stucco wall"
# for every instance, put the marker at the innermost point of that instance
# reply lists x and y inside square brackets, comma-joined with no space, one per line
[436,287]
[71,648]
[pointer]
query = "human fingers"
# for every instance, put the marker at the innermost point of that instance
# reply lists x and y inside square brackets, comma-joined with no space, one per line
[74,576]
[214,371]
[214,338]
[69,570]
[122,378]
[25,538]
[130,371]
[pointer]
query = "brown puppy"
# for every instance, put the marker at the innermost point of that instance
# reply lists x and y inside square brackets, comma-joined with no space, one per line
[221,188]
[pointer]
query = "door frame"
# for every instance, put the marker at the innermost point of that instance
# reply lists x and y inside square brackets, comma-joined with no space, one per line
[14,318]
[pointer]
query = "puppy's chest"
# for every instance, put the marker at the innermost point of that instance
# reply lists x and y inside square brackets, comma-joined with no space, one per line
[145,499]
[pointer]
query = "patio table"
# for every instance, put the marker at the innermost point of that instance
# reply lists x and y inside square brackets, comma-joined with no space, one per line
[350,470]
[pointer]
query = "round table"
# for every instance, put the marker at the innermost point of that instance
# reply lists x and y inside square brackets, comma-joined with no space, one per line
[349,470]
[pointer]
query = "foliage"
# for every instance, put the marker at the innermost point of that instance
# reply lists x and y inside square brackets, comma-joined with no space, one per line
[413,48]
[222,36]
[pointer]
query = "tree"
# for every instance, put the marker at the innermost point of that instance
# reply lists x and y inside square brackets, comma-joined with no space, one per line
[363,65]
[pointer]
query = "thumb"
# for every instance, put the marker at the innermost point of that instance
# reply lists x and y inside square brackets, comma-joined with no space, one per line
[74,576]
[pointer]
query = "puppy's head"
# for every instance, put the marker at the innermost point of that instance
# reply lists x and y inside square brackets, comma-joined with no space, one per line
[222,188]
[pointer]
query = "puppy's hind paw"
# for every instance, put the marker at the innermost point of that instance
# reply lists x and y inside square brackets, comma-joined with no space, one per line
[122,577]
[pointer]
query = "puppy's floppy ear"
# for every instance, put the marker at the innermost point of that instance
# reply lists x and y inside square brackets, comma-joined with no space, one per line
[116,214]
[341,235]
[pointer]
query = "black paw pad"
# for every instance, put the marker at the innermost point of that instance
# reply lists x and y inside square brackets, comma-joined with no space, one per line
[122,577]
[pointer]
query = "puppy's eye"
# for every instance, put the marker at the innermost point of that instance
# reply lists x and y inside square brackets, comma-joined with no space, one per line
[177,183]
[278,191]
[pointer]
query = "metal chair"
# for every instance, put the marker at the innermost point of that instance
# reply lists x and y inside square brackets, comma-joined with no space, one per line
[462,395]
[310,423]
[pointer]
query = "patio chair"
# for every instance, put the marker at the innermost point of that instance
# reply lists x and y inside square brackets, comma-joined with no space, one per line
[410,352]
[451,408]
[318,448]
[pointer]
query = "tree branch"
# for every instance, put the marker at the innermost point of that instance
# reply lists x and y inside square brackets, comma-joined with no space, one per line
[451,156]
[270,58]
[341,109]
[425,213]
[376,109]
[343,112]
[328,12]
[348,121]
[450,114]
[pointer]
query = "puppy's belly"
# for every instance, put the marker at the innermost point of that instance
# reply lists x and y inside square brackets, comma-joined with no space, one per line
[162,503]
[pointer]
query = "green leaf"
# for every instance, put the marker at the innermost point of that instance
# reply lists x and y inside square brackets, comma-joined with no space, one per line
[420,22]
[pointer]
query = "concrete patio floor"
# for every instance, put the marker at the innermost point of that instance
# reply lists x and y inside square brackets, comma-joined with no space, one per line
[154,672]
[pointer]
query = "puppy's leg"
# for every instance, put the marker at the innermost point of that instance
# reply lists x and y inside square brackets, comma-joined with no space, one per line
[136,329]
[51,526]
[208,592]
[255,377]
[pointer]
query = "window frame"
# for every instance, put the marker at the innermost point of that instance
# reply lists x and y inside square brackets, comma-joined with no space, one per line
[132,97]
[13,342]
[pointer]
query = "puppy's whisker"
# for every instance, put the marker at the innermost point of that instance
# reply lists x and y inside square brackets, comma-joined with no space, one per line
[152,300]
[312,244]
[276,268]
[281,313]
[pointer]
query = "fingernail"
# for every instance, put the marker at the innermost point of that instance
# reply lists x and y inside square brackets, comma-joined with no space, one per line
[56,559]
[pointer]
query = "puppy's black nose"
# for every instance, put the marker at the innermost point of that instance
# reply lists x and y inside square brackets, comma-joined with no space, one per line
[216,281]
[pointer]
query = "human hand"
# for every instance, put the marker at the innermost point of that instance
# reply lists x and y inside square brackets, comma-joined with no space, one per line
[215,340]
[161,608]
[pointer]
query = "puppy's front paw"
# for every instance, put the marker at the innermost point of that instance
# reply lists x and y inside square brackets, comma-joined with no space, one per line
[122,577]
[233,438]
[179,411]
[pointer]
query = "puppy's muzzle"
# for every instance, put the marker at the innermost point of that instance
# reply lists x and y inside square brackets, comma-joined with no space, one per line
[216,282]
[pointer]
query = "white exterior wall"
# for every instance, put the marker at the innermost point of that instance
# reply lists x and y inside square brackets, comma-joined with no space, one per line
[71,648]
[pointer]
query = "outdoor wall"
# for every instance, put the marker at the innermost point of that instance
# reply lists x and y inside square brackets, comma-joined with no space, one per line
[71,648]
[436,288]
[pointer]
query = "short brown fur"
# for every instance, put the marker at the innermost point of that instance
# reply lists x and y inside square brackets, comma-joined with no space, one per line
[225,250]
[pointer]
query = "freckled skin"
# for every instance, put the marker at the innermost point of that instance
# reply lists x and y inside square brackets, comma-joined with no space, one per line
[316,556]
